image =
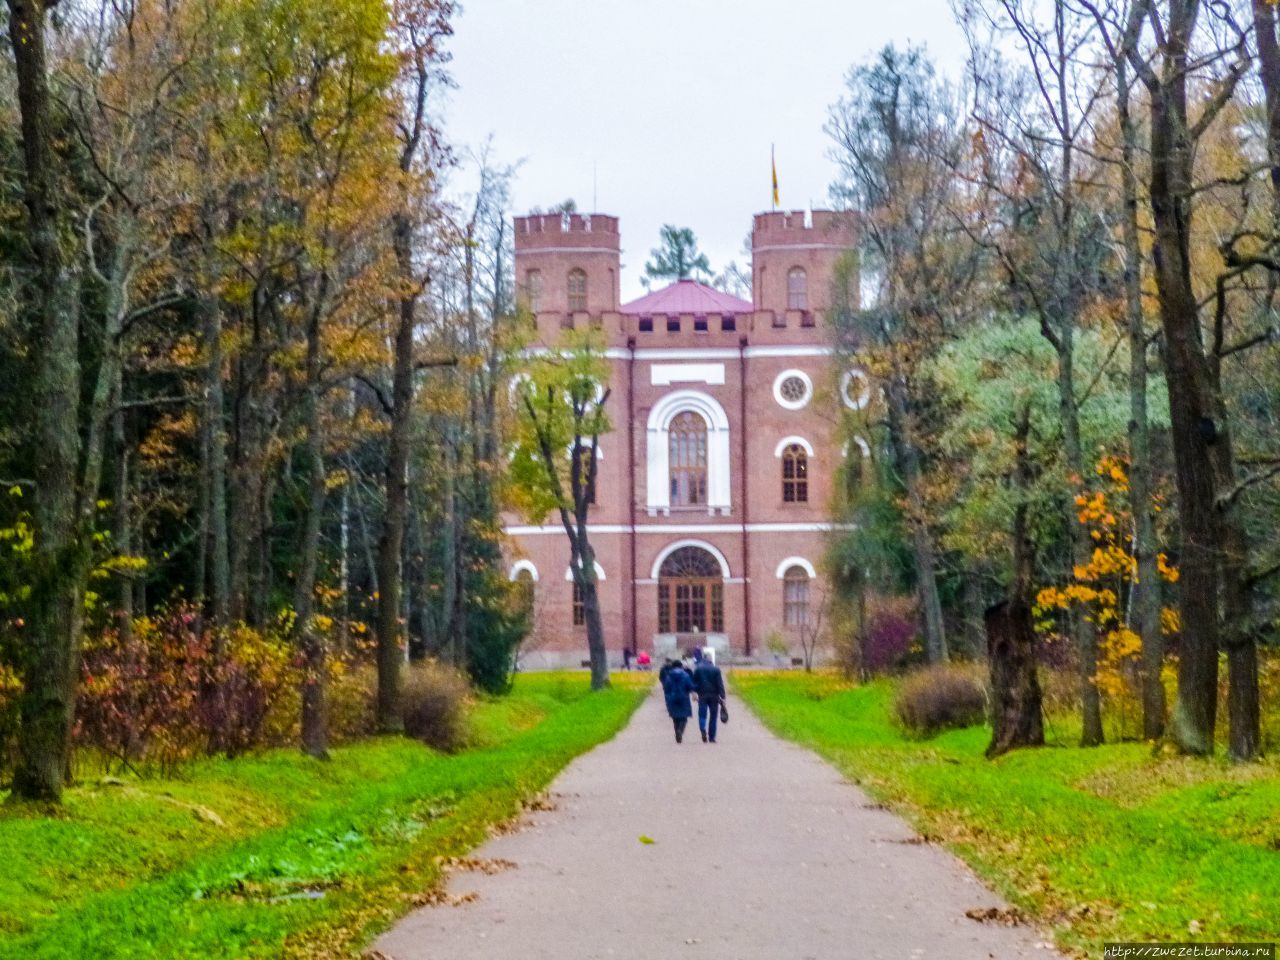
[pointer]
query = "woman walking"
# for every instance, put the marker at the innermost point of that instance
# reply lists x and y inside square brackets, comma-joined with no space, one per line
[677,685]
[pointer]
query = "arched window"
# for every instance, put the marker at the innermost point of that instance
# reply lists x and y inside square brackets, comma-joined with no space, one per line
[795,474]
[579,608]
[524,589]
[577,288]
[533,287]
[795,596]
[687,440]
[690,593]
[797,289]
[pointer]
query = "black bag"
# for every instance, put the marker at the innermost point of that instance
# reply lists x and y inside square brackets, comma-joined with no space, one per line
[724,713]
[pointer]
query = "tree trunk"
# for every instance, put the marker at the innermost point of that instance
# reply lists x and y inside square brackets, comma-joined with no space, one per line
[1017,718]
[391,542]
[584,572]
[215,418]
[1086,636]
[1193,426]
[1145,597]
[61,558]
[315,721]
[908,462]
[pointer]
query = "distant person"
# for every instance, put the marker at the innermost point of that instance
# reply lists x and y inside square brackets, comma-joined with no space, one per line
[643,661]
[708,682]
[626,658]
[677,686]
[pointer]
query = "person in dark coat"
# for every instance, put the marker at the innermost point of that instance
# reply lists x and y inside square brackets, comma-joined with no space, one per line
[708,682]
[677,685]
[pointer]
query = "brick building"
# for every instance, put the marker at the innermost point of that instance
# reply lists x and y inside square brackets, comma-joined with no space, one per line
[716,482]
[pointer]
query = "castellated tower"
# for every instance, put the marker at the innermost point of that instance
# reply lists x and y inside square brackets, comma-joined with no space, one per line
[793,259]
[567,266]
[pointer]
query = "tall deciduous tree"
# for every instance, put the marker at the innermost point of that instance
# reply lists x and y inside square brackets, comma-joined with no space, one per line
[562,396]
[420,28]
[61,512]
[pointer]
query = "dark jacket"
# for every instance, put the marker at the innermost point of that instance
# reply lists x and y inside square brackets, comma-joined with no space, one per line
[676,687]
[708,682]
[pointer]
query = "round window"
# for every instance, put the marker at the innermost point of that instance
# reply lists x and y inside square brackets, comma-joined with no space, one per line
[792,389]
[855,389]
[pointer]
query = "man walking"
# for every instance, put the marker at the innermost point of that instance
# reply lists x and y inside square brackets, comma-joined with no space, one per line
[708,683]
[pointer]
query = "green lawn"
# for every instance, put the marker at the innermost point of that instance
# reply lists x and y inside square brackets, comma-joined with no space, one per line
[277,855]
[1100,844]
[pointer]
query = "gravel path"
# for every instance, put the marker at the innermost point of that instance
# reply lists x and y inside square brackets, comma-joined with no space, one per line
[760,852]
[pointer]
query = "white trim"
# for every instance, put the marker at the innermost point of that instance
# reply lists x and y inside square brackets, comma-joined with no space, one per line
[801,562]
[552,529]
[753,352]
[863,446]
[665,374]
[568,571]
[792,404]
[787,441]
[671,548]
[658,449]
[864,395]
[802,246]
[520,565]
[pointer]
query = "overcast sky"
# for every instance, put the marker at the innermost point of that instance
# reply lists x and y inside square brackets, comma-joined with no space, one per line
[662,111]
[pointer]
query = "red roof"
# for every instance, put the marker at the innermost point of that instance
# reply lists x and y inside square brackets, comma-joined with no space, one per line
[688,296]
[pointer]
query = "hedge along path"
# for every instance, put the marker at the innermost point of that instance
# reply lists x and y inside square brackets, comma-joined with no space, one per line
[748,849]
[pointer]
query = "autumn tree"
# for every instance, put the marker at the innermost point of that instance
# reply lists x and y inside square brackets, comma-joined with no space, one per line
[897,141]
[562,397]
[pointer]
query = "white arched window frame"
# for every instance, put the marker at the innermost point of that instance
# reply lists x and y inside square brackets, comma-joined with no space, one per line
[658,454]
[671,548]
[568,572]
[785,442]
[523,566]
[800,562]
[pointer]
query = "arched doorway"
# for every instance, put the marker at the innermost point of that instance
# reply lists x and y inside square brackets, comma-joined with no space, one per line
[690,594]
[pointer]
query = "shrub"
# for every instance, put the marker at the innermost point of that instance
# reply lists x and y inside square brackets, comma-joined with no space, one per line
[433,704]
[353,693]
[940,698]
[159,694]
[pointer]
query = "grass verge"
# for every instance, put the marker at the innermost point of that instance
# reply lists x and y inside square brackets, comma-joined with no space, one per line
[275,855]
[1101,844]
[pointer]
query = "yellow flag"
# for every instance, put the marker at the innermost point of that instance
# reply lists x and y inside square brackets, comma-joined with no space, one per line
[774,164]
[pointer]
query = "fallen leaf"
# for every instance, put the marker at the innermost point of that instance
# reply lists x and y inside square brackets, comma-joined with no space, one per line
[645,839]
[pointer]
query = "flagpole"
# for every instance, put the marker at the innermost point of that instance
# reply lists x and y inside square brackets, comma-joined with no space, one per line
[773,165]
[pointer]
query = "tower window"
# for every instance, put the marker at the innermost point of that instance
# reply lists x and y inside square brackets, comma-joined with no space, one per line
[577,289]
[795,474]
[728,324]
[646,324]
[795,597]
[797,289]
[673,324]
[688,460]
[533,287]
[699,324]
